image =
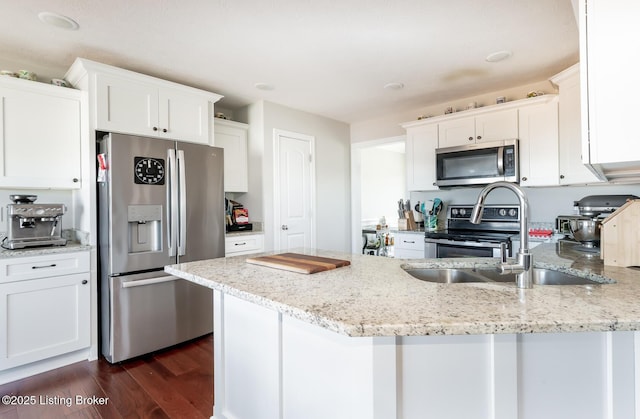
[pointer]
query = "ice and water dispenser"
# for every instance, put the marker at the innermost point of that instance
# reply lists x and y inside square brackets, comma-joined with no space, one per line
[145,228]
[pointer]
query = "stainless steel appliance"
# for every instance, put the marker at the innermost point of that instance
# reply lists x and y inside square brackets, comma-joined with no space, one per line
[160,202]
[462,238]
[478,164]
[30,224]
[585,226]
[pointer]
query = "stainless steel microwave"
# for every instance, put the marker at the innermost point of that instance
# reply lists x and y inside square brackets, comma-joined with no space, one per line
[478,164]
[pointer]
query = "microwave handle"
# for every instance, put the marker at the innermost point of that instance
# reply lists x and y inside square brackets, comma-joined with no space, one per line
[501,161]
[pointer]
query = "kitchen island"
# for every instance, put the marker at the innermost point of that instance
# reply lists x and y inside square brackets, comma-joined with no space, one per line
[371,341]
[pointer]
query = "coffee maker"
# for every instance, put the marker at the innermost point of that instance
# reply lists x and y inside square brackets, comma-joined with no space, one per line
[30,224]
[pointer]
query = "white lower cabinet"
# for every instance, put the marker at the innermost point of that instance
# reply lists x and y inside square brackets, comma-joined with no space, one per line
[243,244]
[302,370]
[45,306]
[408,246]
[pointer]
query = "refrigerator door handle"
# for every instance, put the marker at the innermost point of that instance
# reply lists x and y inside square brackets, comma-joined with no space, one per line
[172,203]
[182,240]
[150,281]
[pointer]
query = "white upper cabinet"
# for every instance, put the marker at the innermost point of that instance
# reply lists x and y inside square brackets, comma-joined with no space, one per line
[539,144]
[484,127]
[139,107]
[572,169]
[534,121]
[420,155]
[137,104]
[41,127]
[610,78]
[233,137]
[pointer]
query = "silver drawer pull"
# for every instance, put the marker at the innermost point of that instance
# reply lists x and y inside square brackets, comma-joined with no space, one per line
[53,265]
[240,244]
[406,241]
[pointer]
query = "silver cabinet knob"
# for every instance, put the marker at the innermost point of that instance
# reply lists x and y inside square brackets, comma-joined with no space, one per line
[284,227]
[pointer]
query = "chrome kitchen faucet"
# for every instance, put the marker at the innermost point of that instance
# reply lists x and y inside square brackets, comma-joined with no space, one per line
[523,268]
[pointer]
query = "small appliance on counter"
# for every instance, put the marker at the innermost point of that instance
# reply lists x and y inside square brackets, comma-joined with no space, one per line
[586,225]
[31,225]
[237,217]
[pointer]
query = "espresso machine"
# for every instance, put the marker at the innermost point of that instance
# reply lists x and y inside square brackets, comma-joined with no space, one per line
[584,227]
[30,224]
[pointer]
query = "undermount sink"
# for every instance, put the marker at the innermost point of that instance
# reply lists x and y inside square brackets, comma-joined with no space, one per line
[541,276]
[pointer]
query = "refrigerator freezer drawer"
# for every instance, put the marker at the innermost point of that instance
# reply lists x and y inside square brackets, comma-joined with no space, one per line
[151,313]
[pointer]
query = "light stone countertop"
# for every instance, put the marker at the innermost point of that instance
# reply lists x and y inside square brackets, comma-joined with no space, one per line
[374,296]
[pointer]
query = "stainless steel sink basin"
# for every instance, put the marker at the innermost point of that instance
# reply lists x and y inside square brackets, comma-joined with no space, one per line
[465,275]
[446,276]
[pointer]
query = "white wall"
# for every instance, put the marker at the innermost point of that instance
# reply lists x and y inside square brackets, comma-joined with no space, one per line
[383,177]
[332,170]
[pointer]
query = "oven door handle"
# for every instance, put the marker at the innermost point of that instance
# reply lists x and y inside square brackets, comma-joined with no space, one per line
[463,243]
[501,161]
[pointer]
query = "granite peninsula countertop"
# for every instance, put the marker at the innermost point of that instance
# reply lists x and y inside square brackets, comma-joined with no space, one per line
[374,296]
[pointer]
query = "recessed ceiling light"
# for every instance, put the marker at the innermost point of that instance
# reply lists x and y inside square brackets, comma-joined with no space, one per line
[264,86]
[394,86]
[58,21]
[498,56]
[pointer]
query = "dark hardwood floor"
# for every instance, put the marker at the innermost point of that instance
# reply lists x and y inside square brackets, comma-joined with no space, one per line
[174,383]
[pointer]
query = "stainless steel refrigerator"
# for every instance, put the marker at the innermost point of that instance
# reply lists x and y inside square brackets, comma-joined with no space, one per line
[160,202]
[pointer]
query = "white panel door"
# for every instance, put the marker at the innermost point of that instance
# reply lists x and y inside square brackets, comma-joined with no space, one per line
[294,183]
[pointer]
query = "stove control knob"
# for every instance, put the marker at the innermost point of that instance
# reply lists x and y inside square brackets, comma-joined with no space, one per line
[463,212]
[502,212]
[513,212]
[454,211]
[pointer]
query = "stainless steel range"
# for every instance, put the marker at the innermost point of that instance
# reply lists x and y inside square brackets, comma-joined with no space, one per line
[465,239]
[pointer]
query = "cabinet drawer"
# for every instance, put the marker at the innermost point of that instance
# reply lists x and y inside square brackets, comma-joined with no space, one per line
[23,268]
[409,241]
[245,244]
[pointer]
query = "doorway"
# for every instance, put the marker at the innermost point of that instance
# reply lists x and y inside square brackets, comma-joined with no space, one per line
[294,190]
[378,181]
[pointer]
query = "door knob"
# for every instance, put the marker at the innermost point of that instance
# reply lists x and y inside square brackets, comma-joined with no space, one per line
[284,227]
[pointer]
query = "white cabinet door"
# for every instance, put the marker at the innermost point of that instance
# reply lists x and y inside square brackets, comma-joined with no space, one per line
[489,126]
[243,244]
[232,136]
[42,318]
[40,135]
[183,116]
[138,107]
[609,46]
[572,169]
[539,144]
[456,132]
[497,125]
[408,246]
[126,106]
[420,155]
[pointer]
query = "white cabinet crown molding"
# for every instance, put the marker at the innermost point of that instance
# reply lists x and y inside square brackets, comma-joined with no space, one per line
[81,66]
[483,110]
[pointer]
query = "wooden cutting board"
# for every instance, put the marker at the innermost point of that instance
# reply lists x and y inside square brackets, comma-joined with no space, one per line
[296,262]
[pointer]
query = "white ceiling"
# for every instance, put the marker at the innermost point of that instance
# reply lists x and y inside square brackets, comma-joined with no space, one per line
[329,57]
